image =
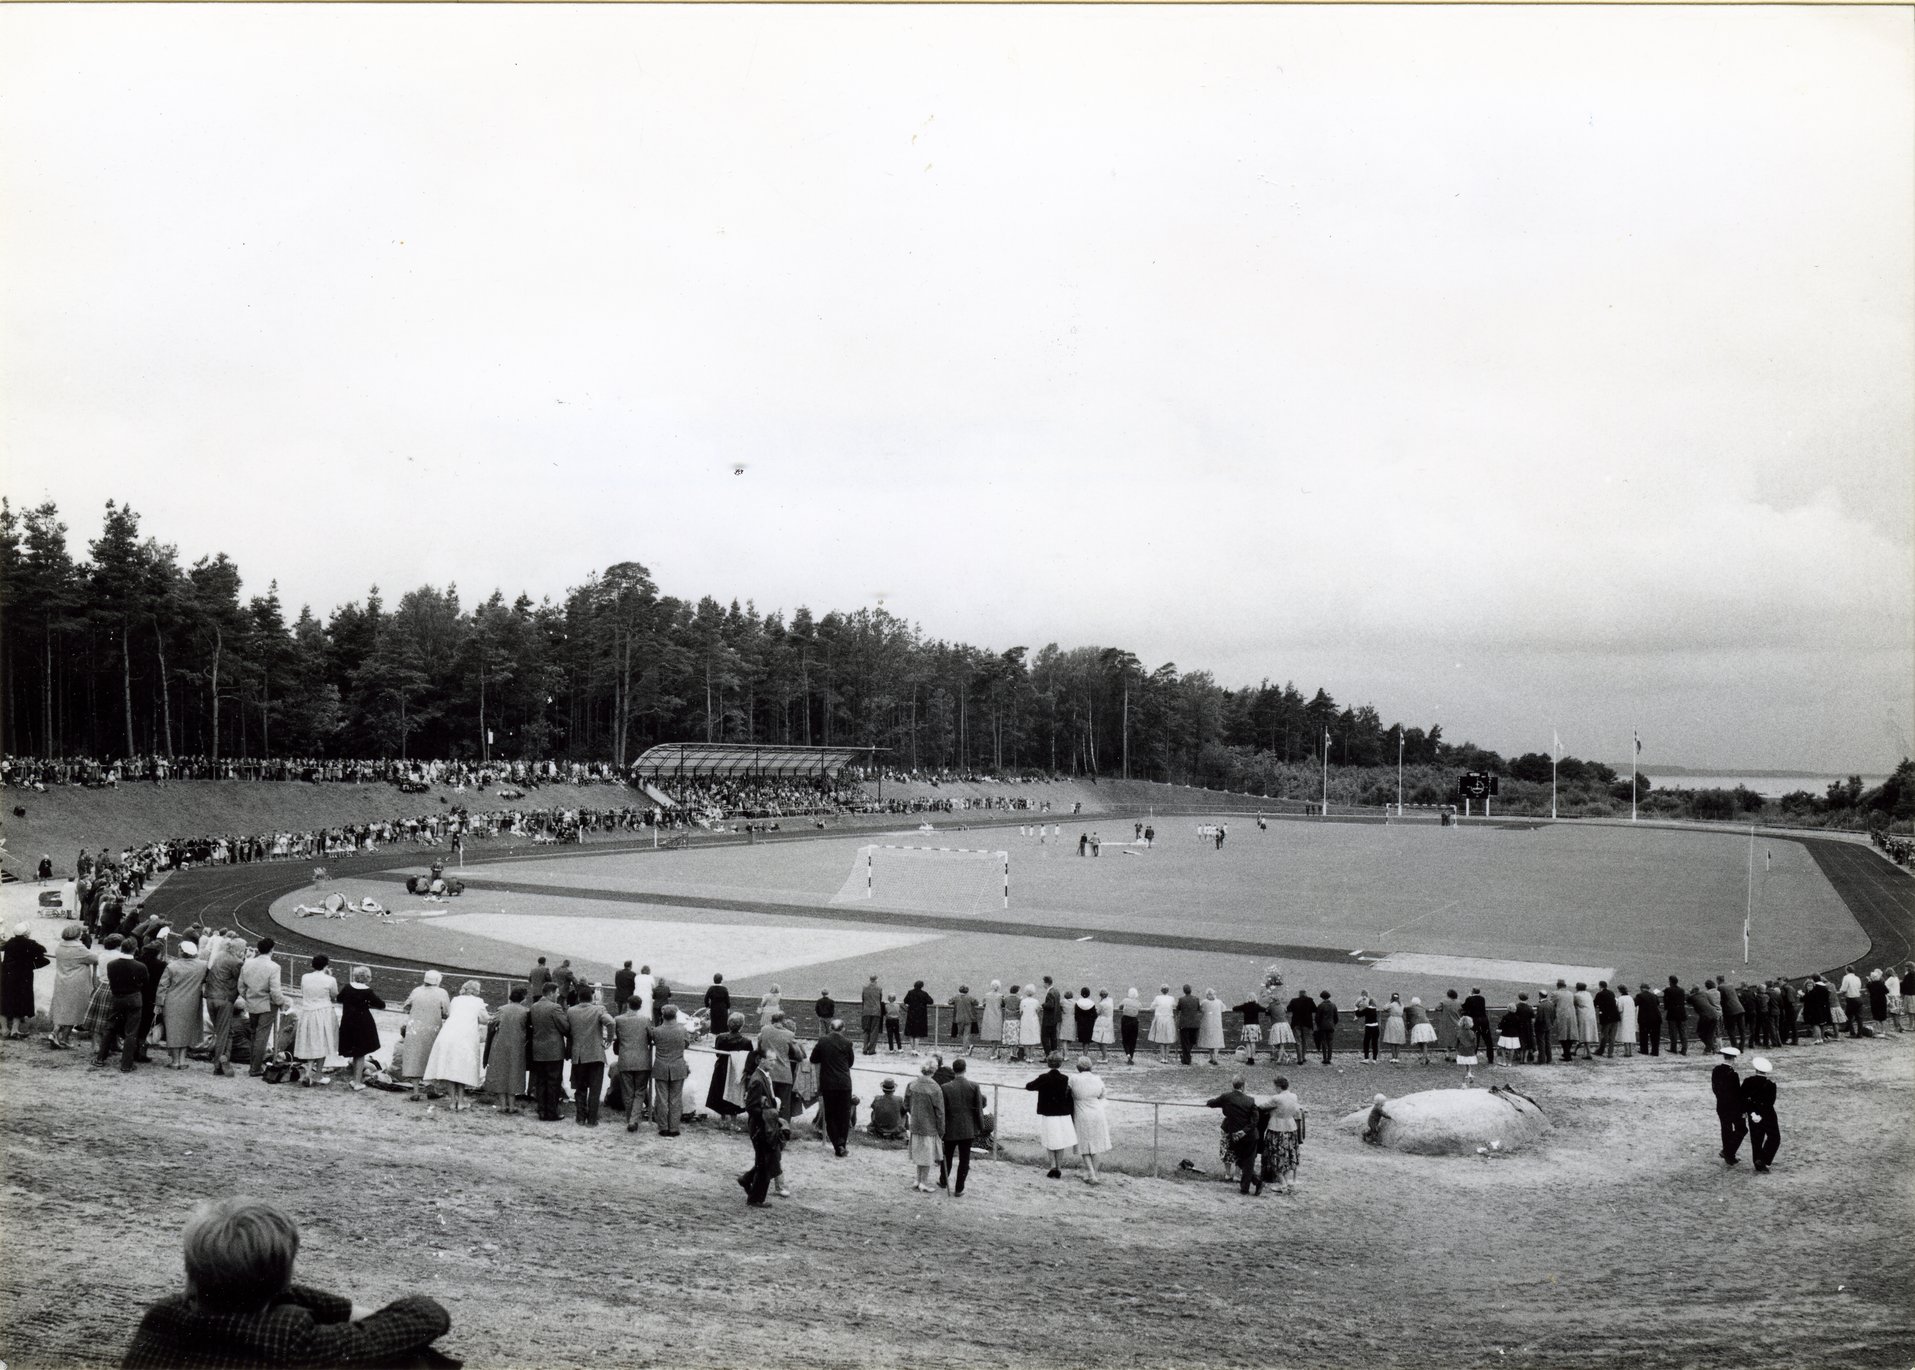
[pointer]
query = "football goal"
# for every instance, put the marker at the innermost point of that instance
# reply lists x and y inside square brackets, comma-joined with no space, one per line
[933,879]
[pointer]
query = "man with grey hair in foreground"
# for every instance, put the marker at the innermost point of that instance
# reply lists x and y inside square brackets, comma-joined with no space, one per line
[241,1307]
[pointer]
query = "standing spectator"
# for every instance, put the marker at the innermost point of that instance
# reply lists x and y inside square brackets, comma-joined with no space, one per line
[1241,1133]
[824,1010]
[1283,1137]
[1103,1026]
[1055,1131]
[261,998]
[632,1048]
[588,1023]
[126,976]
[1447,1018]
[917,1015]
[1395,1034]
[358,1032]
[1163,1023]
[153,956]
[669,1069]
[732,1064]
[1758,1101]
[1030,1023]
[1734,1014]
[1704,1010]
[1326,1026]
[426,1008]
[990,1026]
[871,1000]
[19,958]
[625,985]
[316,1034]
[1477,1007]
[222,997]
[768,1004]
[778,1045]
[1088,1117]
[1365,1011]
[1608,1019]
[1302,1011]
[458,1052]
[1787,1013]
[1128,1013]
[1726,1085]
[767,1138]
[182,999]
[506,1058]
[1210,1030]
[893,1024]
[1648,1022]
[1190,1021]
[1422,1032]
[924,1105]
[1818,1009]
[548,1030]
[1051,1017]
[1083,1017]
[1893,980]
[241,1307]
[1562,1014]
[832,1055]
[1877,989]
[1675,1015]
[537,979]
[964,1010]
[1466,1050]
[963,1126]
[566,979]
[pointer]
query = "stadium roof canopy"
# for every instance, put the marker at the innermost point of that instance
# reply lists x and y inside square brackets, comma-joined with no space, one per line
[732,758]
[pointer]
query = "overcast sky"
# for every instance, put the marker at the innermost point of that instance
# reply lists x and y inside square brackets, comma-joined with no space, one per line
[1514,369]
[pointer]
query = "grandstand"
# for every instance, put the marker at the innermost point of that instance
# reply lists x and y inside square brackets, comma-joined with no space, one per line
[718,780]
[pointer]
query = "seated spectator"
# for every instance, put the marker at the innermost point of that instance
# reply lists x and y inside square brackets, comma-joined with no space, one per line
[241,1307]
[887,1113]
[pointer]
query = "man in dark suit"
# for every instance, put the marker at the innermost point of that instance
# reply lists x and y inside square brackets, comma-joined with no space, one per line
[963,1125]
[1787,1028]
[1648,1023]
[536,980]
[1734,1014]
[1326,1026]
[1190,1018]
[551,1034]
[872,1008]
[624,985]
[669,1070]
[1608,1015]
[1726,1085]
[1050,1018]
[833,1054]
[1758,1100]
[126,977]
[588,1023]
[1242,1132]
[762,1111]
[1477,1007]
[1675,1010]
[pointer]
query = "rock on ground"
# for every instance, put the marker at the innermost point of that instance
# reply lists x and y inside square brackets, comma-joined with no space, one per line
[1455,1122]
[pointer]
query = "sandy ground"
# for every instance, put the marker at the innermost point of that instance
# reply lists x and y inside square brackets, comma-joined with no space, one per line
[1621,1240]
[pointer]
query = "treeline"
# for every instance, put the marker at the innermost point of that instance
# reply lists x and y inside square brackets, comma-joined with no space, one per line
[126,650]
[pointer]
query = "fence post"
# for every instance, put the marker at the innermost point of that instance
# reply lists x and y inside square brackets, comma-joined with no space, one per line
[1156,1111]
[997,1118]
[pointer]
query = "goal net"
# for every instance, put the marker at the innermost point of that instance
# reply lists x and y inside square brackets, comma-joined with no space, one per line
[929,879]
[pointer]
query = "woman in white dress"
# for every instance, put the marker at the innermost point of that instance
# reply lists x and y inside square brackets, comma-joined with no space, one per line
[426,1008]
[1030,1023]
[1104,1031]
[1087,1116]
[458,1052]
[990,1023]
[1011,1029]
[767,1006]
[1626,1029]
[1210,1031]
[1163,1023]
[316,1034]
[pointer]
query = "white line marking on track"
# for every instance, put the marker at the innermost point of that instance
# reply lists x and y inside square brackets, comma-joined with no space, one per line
[1420,917]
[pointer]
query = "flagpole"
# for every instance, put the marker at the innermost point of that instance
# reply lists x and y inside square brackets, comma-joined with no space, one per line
[1634,753]
[1399,773]
[1553,758]
[1326,773]
[1748,899]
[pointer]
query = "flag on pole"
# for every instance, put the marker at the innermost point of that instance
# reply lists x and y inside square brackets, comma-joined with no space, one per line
[1638,737]
[1556,741]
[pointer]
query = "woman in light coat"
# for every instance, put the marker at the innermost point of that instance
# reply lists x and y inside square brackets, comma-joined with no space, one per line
[1104,1032]
[1587,1032]
[458,1052]
[1163,1023]
[1088,1117]
[924,1101]
[181,998]
[990,1026]
[426,1008]
[1030,1022]
[73,963]
[316,1035]
[1210,1031]
[1626,1029]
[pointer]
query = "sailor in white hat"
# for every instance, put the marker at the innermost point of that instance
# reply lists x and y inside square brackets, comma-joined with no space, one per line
[1726,1084]
[1758,1100]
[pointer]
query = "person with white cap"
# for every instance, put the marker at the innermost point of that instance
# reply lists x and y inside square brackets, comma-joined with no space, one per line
[1758,1101]
[1727,1087]
[181,996]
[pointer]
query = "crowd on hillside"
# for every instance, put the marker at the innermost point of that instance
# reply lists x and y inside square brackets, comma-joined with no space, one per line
[943,776]
[33,772]
[714,799]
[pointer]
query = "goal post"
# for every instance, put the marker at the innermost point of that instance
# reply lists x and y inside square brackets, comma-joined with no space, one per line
[870,859]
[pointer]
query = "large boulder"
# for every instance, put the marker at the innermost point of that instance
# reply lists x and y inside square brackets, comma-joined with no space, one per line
[1454,1122]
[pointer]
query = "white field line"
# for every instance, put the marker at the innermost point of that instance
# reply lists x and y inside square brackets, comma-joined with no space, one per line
[1419,918]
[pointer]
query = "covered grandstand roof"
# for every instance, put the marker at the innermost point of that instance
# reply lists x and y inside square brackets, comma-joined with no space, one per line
[734,758]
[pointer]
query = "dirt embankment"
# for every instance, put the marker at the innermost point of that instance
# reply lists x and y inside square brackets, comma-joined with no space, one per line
[1621,1241]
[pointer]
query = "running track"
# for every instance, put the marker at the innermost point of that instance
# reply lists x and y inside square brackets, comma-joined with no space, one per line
[1880,896]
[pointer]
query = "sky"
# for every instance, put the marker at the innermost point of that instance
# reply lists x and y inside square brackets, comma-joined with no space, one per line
[1529,371]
